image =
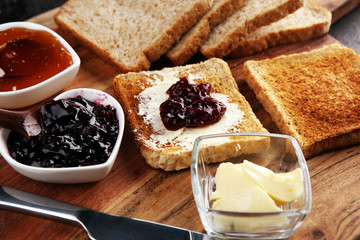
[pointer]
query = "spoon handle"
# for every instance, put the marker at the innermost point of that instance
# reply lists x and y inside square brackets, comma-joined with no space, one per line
[12,120]
[23,122]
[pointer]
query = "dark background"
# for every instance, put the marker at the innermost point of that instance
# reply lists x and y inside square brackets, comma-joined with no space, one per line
[346,30]
[19,10]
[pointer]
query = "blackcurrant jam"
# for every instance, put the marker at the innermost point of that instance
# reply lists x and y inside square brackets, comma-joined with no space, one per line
[75,132]
[190,106]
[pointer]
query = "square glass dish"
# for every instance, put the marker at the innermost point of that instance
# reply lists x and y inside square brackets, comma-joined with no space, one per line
[279,153]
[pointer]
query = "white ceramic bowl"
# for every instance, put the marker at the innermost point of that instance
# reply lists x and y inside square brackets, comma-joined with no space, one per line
[81,174]
[34,94]
[280,153]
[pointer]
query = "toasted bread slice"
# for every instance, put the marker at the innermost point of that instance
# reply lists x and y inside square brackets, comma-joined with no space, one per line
[130,34]
[312,96]
[228,35]
[309,21]
[190,43]
[141,94]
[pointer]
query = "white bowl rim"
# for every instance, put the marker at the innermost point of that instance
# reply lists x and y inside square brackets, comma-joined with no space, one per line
[120,114]
[35,26]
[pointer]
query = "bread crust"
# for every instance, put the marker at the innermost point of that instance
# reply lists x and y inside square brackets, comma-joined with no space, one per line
[180,27]
[142,64]
[281,32]
[314,96]
[172,155]
[190,43]
[225,37]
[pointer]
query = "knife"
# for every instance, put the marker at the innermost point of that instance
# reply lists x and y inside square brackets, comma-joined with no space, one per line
[98,225]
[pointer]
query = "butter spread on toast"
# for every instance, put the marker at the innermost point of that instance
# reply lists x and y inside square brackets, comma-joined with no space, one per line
[150,100]
[131,91]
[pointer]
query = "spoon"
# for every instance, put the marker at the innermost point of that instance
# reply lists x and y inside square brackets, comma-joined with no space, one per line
[24,122]
[15,56]
[27,122]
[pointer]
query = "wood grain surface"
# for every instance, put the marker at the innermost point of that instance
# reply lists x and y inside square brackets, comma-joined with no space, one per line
[133,189]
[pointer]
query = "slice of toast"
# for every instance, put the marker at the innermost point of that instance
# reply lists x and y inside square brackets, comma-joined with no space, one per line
[228,35]
[309,21]
[130,34]
[141,94]
[312,96]
[190,43]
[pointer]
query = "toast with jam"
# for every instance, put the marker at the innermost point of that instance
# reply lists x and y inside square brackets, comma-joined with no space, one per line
[312,96]
[167,109]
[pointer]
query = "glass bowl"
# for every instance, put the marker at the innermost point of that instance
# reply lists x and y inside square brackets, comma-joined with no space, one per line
[69,175]
[280,153]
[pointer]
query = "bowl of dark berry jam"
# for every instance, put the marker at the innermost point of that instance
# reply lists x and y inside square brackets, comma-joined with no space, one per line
[35,64]
[81,133]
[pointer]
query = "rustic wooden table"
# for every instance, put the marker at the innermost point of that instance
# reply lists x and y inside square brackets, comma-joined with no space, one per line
[133,189]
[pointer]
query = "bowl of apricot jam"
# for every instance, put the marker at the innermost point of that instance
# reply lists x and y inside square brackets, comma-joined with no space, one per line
[35,64]
[81,135]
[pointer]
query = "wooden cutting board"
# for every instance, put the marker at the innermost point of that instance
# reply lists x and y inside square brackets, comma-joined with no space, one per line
[133,189]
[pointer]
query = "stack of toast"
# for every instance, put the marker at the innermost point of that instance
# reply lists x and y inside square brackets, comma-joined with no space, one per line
[133,34]
[309,21]
[130,34]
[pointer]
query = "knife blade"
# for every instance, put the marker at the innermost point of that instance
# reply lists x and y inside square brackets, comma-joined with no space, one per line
[98,225]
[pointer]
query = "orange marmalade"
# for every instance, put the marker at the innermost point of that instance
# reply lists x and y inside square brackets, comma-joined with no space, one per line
[28,57]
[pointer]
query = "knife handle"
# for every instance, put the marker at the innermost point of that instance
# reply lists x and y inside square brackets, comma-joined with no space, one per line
[23,202]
